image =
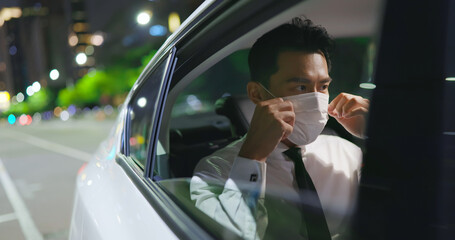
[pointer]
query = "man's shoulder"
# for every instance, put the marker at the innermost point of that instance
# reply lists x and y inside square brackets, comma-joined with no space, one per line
[219,162]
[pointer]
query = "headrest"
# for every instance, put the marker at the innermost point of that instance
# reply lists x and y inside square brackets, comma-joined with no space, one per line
[239,110]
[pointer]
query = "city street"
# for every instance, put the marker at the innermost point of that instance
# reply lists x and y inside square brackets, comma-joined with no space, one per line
[38,167]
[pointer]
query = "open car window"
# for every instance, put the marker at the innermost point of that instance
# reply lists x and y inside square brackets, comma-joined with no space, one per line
[197,128]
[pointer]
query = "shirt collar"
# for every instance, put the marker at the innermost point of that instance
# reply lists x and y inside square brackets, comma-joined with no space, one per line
[282,147]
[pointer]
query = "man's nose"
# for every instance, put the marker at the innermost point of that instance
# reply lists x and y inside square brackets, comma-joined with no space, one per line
[312,89]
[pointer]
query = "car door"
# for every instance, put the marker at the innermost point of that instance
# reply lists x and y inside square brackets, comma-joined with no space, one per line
[108,202]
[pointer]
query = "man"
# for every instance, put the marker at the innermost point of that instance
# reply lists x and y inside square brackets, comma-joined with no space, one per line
[289,84]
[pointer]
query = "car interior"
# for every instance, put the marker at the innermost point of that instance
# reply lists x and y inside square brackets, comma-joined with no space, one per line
[216,121]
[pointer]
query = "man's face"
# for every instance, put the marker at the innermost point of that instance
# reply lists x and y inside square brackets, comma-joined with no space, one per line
[298,73]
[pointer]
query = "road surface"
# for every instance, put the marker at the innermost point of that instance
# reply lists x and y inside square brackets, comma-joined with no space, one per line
[38,167]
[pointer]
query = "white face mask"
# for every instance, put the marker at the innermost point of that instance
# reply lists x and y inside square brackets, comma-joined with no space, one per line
[311,115]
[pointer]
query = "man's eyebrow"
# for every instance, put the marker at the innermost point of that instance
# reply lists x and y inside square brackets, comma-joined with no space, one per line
[327,80]
[305,80]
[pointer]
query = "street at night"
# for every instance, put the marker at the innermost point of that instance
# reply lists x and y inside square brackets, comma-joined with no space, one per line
[38,167]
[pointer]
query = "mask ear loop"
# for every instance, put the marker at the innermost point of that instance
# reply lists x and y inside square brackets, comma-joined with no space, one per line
[267,90]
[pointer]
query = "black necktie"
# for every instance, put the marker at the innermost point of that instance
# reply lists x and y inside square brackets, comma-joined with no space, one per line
[313,216]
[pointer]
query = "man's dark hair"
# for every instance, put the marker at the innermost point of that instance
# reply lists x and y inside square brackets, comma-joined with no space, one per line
[300,34]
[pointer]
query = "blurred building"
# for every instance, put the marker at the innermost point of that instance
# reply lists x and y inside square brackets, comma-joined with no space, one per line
[31,44]
[55,42]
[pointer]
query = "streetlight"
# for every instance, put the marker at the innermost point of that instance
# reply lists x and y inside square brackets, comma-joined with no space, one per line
[54,74]
[144,17]
[81,58]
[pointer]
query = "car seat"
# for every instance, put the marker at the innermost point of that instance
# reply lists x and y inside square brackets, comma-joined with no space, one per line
[239,110]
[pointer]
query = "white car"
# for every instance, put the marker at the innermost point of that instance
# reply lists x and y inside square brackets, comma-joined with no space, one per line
[137,184]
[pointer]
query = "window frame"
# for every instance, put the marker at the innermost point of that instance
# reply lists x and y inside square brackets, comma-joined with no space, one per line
[169,59]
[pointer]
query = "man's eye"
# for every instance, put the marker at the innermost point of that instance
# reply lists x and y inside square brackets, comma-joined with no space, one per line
[301,88]
[324,87]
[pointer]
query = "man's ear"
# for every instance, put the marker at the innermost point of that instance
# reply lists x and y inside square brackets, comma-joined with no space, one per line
[254,92]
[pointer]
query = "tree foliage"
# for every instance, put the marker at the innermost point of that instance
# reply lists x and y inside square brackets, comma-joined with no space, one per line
[38,102]
[99,85]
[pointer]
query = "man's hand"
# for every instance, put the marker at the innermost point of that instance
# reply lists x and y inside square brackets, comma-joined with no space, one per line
[272,121]
[350,111]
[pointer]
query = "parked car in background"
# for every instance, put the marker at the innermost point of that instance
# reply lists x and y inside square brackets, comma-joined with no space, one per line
[400,54]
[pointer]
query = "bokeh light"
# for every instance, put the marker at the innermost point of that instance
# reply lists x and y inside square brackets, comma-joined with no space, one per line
[4,96]
[97,39]
[73,40]
[13,50]
[108,110]
[29,120]
[30,91]
[143,18]
[174,21]
[37,117]
[11,119]
[4,101]
[2,65]
[157,30]
[57,111]
[367,85]
[20,97]
[25,120]
[72,110]
[36,86]
[81,58]
[141,102]
[64,115]
[54,74]
[89,50]
[47,115]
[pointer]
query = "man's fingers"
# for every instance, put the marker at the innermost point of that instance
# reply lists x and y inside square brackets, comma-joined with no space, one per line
[335,107]
[271,101]
[335,101]
[360,111]
[287,129]
[279,106]
[344,103]
[348,106]
[288,117]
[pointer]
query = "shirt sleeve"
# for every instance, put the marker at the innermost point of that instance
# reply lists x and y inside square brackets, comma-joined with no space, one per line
[238,204]
[249,174]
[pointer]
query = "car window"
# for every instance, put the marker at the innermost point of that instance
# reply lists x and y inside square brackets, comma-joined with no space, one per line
[142,111]
[227,77]
[195,129]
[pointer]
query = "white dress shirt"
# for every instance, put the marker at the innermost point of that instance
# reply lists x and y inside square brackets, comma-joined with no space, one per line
[332,163]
